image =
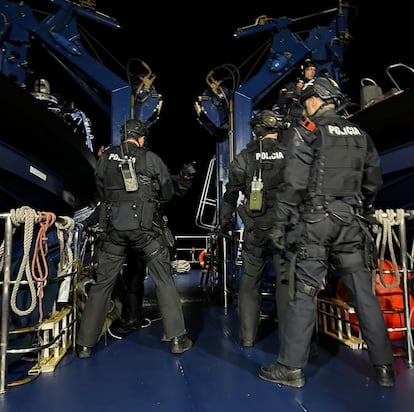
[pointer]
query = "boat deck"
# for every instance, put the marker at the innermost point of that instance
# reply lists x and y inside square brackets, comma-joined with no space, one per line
[138,372]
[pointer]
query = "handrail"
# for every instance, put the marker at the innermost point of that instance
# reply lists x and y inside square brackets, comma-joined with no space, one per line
[394,66]
[8,235]
[205,200]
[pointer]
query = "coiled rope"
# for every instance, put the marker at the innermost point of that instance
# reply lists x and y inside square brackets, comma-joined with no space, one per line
[26,216]
[40,268]
[65,231]
[36,271]
[65,227]
[385,235]
[180,266]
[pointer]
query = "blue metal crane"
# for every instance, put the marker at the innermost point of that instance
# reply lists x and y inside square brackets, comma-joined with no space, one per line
[225,110]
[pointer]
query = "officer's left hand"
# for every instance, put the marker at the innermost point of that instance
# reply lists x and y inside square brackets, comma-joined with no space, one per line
[188,171]
[227,227]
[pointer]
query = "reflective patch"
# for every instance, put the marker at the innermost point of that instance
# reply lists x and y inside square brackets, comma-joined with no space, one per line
[269,156]
[118,158]
[344,131]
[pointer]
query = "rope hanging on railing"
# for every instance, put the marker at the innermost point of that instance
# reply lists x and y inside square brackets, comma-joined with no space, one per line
[40,268]
[65,226]
[65,230]
[387,220]
[26,216]
[86,242]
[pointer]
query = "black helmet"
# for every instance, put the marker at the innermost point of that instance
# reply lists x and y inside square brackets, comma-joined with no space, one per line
[133,128]
[325,88]
[307,63]
[265,118]
[265,122]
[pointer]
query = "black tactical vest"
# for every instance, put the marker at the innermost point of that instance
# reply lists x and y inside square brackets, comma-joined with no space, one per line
[338,167]
[129,210]
[270,161]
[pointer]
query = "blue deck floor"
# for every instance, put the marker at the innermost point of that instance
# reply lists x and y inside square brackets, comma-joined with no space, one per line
[138,373]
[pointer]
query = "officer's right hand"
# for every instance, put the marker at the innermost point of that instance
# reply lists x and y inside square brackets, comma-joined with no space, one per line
[87,229]
[277,237]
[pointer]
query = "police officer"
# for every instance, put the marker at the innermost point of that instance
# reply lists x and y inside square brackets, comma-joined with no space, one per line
[289,95]
[134,274]
[333,174]
[131,181]
[256,173]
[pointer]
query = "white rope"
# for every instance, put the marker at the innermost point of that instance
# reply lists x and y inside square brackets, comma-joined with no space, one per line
[28,217]
[180,266]
[65,228]
[385,238]
[1,256]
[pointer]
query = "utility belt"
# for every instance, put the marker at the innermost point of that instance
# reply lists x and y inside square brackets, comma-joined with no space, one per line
[161,224]
[331,203]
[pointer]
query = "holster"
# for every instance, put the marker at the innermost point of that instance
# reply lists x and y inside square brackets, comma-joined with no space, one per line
[370,248]
[168,236]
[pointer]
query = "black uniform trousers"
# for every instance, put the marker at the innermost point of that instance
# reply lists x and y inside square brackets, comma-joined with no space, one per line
[338,240]
[256,248]
[133,276]
[110,261]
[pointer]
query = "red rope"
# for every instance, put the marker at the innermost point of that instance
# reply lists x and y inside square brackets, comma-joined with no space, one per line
[40,269]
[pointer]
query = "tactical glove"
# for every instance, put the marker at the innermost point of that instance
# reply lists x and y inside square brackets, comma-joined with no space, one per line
[277,237]
[88,228]
[226,227]
[188,171]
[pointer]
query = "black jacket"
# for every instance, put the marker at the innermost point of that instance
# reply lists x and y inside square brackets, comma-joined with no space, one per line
[156,186]
[337,160]
[268,158]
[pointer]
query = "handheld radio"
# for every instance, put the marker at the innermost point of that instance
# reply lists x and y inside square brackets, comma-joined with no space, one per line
[256,192]
[127,166]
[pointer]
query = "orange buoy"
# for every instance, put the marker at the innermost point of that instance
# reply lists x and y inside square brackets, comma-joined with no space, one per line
[201,258]
[390,299]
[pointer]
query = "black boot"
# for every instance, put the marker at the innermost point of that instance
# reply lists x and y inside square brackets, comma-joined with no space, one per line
[83,351]
[279,373]
[180,344]
[128,326]
[385,375]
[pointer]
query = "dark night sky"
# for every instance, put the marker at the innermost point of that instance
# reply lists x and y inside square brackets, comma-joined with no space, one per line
[182,44]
